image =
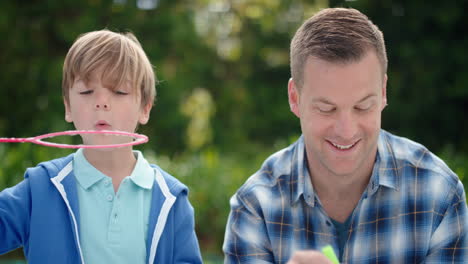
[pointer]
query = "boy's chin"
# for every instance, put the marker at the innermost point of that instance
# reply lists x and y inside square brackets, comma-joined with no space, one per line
[106,150]
[105,140]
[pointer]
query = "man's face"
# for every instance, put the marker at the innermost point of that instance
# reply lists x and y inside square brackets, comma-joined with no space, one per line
[339,106]
[93,106]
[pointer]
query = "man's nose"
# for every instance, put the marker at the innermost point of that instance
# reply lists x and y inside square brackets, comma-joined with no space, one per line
[346,125]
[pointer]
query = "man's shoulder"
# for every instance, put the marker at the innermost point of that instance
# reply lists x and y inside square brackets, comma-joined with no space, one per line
[407,154]
[276,169]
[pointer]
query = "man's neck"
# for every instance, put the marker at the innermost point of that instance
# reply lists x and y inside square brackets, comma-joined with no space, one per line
[339,194]
[339,200]
[115,163]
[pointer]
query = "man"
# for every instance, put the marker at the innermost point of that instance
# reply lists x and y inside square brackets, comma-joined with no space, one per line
[374,197]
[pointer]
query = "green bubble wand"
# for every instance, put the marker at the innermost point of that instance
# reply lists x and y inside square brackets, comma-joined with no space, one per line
[330,254]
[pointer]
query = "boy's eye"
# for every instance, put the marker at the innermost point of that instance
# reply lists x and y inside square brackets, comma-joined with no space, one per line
[326,109]
[121,92]
[87,92]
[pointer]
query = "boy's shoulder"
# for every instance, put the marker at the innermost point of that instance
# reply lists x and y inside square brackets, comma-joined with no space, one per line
[174,185]
[50,167]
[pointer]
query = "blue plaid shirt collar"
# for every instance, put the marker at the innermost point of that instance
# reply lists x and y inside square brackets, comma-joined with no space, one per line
[385,172]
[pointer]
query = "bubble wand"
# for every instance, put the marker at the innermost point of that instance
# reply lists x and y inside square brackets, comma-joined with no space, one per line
[136,139]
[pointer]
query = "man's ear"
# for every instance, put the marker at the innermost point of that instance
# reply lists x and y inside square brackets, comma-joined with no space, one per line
[68,116]
[384,92]
[293,97]
[145,114]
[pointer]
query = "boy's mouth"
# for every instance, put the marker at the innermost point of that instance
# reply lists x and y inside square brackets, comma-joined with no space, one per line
[102,125]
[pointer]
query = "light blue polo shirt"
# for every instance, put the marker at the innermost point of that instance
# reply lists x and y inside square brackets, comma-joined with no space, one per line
[113,226]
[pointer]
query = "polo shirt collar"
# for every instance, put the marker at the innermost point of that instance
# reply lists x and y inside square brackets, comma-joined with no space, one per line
[87,175]
[142,174]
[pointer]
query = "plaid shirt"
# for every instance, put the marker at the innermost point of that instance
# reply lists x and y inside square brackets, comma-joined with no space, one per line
[412,211]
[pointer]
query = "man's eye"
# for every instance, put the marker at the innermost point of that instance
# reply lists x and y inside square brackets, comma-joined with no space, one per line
[87,92]
[364,107]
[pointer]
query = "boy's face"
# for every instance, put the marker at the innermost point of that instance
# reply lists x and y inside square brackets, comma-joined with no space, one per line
[92,106]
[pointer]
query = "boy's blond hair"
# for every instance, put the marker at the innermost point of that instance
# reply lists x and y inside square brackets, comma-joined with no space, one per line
[119,58]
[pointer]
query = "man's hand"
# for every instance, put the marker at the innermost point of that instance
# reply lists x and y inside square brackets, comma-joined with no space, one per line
[308,257]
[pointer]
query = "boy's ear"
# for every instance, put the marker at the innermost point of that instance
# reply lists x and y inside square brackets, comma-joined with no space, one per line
[145,114]
[68,116]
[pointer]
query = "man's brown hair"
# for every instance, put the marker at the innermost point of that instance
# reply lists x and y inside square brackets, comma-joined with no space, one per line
[338,35]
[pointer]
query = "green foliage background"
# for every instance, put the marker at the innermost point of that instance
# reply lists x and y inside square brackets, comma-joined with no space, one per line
[223,65]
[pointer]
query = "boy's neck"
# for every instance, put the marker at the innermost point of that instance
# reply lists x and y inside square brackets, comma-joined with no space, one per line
[115,163]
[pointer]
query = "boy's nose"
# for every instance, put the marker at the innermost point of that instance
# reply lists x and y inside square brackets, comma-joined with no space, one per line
[102,99]
[103,106]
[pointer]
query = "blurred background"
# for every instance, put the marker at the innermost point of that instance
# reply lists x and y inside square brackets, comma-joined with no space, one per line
[223,67]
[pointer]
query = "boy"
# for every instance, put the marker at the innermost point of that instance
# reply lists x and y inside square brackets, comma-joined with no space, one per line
[101,205]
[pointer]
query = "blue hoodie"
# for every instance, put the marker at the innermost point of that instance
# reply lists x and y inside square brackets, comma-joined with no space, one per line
[41,215]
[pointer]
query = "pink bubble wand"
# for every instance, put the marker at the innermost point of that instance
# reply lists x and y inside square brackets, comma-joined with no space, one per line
[137,139]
